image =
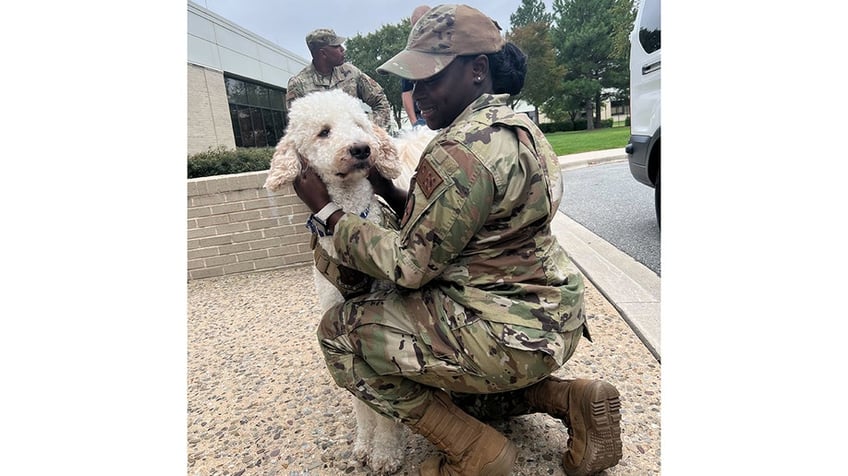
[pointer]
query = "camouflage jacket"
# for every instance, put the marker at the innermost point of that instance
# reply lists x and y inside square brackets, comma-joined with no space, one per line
[477,224]
[349,79]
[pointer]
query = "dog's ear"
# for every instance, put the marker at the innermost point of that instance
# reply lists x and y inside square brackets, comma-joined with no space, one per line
[285,165]
[386,159]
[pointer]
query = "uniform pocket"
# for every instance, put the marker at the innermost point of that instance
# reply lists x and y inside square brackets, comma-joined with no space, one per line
[443,328]
[557,347]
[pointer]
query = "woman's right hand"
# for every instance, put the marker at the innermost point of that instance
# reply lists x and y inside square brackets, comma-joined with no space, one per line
[394,196]
[382,186]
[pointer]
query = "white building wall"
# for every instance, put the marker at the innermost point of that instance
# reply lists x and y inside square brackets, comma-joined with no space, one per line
[216,43]
[217,46]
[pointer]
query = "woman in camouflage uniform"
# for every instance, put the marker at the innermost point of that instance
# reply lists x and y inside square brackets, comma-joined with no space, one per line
[487,303]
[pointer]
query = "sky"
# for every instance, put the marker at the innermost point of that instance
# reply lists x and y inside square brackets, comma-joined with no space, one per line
[286,24]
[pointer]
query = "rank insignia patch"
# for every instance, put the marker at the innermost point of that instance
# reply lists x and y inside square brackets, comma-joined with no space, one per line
[427,178]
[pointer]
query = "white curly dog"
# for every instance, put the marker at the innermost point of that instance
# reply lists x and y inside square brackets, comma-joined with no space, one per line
[330,132]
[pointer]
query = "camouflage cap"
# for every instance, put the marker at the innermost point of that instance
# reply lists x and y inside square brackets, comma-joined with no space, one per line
[323,37]
[442,34]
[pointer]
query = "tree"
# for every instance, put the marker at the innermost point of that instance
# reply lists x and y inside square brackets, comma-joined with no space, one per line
[544,75]
[530,11]
[584,33]
[626,10]
[372,50]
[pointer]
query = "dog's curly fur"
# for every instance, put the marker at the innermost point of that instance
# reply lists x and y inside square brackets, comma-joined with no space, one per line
[330,132]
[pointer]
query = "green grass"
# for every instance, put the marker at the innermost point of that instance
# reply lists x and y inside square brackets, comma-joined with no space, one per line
[565,143]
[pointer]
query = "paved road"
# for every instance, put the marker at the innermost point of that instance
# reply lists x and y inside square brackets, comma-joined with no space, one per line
[607,200]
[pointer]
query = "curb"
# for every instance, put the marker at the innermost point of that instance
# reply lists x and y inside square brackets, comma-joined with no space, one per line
[631,287]
[584,159]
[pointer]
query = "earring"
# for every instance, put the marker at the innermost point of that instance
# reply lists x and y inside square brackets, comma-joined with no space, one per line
[478,78]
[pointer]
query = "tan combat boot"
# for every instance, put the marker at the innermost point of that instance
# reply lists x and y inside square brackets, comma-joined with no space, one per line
[469,446]
[591,411]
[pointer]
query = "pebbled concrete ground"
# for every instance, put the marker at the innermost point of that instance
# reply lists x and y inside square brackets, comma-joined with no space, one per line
[260,401]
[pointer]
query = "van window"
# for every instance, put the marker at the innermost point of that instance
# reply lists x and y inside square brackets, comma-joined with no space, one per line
[649,27]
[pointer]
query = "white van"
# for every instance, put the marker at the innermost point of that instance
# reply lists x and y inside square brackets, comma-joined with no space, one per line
[643,151]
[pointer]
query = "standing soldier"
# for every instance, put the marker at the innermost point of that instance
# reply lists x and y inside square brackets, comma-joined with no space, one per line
[328,70]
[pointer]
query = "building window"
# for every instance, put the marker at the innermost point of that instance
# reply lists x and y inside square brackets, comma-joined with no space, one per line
[257,111]
[620,108]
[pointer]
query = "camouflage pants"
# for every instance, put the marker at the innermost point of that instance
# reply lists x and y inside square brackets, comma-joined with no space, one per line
[392,349]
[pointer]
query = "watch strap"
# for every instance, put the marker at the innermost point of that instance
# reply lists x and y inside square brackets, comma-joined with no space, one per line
[317,222]
[324,214]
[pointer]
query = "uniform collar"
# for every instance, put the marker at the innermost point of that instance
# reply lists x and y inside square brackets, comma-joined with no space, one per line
[485,101]
[320,78]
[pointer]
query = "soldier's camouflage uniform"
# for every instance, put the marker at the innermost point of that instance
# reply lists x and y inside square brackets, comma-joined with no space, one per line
[487,300]
[349,79]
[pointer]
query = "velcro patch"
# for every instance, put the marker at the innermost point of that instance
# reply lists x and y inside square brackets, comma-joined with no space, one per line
[427,178]
[410,206]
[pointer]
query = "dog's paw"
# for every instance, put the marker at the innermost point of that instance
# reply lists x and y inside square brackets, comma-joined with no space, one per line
[384,466]
[388,447]
[361,449]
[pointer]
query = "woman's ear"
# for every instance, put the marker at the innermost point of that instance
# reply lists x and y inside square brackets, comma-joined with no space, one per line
[285,165]
[480,68]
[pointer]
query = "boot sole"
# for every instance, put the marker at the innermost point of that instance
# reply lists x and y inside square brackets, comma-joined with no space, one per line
[603,430]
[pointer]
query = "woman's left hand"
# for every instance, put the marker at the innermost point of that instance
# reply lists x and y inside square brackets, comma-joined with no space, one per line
[311,189]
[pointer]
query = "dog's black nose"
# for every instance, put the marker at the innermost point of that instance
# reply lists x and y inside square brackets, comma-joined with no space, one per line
[360,151]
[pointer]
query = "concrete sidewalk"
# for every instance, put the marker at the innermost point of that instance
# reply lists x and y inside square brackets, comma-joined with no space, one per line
[631,287]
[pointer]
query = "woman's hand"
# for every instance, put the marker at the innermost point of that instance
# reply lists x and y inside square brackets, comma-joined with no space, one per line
[394,196]
[382,186]
[311,189]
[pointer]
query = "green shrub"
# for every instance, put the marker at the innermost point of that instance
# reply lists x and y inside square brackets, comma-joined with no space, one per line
[568,126]
[546,127]
[606,123]
[561,126]
[223,161]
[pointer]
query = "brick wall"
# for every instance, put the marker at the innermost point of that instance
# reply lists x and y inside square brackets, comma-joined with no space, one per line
[236,226]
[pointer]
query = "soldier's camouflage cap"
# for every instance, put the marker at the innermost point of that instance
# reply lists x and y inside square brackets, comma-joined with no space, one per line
[323,37]
[442,34]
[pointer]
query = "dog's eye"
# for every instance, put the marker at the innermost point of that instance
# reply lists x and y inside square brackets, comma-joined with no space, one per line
[324,132]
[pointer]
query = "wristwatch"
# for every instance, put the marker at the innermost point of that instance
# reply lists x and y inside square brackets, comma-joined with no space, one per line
[317,222]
